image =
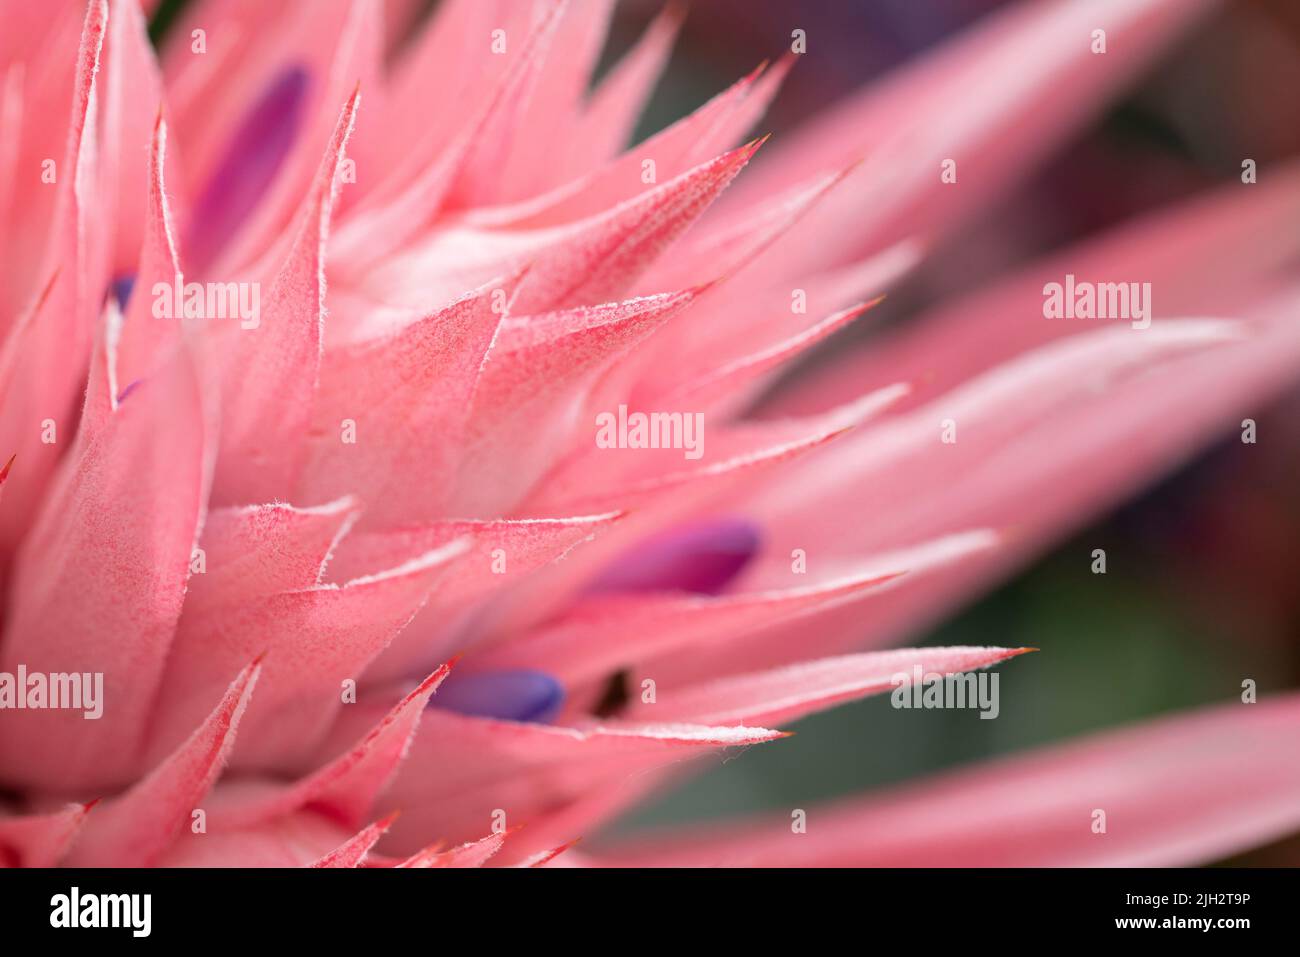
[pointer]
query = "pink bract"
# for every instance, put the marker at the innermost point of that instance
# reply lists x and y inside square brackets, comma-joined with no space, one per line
[385,476]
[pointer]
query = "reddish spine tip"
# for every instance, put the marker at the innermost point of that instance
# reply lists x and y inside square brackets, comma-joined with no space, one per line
[787,61]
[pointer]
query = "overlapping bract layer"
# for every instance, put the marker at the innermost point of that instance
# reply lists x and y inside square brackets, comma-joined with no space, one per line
[242,524]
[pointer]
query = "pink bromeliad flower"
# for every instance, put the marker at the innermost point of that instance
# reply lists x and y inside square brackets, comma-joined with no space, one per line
[386,474]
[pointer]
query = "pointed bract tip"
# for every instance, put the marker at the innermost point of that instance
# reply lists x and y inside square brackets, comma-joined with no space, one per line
[850,166]
[857,309]
[515,278]
[746,151]
[786,63]
[4,472]
[385,822]
[433,682]
[86,808]
[675,11]
[555,852]
[701,288]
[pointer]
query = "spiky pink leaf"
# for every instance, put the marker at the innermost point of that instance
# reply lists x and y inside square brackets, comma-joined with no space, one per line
[277,361]
[115,530]
[137,827]
[784,694]
[1171,792]
[314,639]
[40,840]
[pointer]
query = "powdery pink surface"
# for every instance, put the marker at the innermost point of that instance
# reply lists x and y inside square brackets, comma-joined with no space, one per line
[496,273]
